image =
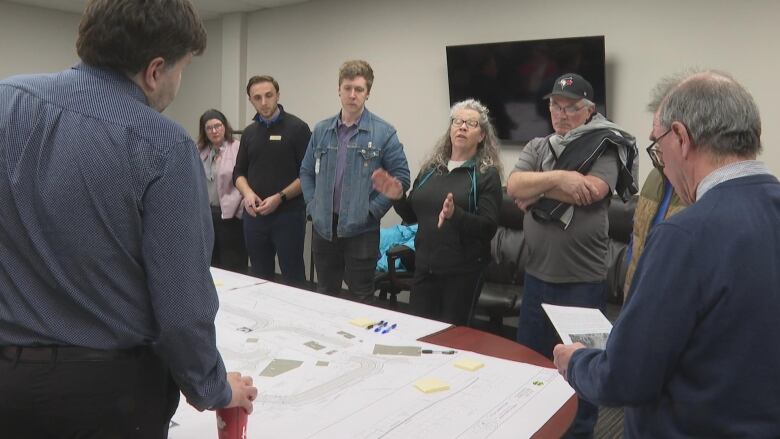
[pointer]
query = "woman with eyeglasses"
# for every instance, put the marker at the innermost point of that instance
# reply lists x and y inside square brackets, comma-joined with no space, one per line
[218,150]
[455,201]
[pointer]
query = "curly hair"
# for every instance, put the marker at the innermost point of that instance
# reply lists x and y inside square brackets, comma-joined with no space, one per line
[487,150]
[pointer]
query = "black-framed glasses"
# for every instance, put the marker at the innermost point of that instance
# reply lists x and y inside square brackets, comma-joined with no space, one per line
[471,123]
[655,153]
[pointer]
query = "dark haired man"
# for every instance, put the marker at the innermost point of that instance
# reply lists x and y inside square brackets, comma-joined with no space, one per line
[266,174]
[106,302]
[336,180]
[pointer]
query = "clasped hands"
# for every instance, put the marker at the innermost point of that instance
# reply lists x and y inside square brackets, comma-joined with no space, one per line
[255,205]
[391,187]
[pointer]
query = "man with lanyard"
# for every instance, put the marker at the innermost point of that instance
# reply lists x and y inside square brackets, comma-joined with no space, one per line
[266,174]
[564,181]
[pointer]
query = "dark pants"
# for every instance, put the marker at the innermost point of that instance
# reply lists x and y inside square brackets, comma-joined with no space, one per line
[229,250]
[128,397]
[282,235]
[536,331]
[350,259]
[445,297]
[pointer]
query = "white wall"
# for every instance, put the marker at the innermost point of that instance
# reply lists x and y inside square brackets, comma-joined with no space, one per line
[36,40]
[404,40]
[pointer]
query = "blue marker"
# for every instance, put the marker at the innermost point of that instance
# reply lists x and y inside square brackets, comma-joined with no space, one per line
[380,326]
[389,328]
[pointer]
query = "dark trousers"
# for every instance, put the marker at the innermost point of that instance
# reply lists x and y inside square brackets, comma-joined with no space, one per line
[350,259]
[229,250]
[131,397]
[282,235]
[445,297]
[536,331]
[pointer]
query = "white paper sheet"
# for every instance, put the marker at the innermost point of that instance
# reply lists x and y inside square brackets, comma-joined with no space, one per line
[359,395]
[574,324]
[226,280]
[318,375]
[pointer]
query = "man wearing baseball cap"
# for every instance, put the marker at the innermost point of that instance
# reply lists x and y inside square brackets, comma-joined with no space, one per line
[564,182]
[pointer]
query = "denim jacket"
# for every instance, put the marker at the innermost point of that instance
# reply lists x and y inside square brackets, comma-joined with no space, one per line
[375,145]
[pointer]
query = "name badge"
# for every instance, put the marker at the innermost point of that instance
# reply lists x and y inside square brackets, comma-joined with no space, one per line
[275,138]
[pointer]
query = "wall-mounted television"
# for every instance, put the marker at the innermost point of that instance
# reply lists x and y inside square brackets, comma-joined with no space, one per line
[511,78]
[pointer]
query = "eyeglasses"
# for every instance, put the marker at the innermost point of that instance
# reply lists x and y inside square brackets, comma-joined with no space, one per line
[655,153]
[471,123]
[570,110]
[214,128]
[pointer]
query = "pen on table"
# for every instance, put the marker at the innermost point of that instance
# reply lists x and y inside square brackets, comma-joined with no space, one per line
[389,328]
[431,351]
[379,323]
[380,326]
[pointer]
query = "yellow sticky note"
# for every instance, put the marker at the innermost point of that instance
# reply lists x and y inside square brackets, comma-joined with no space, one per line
[218,283]
[469,364]
[430,385]
[362,323]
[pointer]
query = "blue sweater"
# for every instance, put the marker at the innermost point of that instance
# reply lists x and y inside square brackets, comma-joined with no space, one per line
[696,350]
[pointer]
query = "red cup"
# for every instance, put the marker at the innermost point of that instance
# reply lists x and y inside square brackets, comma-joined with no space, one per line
[231,423]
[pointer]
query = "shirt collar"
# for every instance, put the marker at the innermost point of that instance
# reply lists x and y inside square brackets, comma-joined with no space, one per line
[340,124]
[743,168]
[268,122]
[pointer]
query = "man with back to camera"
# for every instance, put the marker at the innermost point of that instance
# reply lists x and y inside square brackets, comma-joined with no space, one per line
[694,351]
[336,180]
[266,174]
[107,305]
[564,181]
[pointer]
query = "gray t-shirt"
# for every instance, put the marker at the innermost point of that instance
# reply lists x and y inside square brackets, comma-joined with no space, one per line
[579,253]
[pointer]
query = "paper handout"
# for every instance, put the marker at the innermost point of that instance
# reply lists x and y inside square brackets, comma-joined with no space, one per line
[574,324]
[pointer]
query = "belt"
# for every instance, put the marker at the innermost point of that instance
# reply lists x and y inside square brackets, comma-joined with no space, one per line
[52,354]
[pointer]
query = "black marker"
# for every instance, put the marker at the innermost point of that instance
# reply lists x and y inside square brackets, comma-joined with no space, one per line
[379,323]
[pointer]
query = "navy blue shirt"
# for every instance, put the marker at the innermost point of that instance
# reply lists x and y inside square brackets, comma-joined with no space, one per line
[105,227]
[694,352]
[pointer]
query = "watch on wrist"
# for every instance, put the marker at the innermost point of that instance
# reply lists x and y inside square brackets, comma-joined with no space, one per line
[283,196]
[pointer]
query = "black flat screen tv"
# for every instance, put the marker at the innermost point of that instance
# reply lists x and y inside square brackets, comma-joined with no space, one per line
[510,78]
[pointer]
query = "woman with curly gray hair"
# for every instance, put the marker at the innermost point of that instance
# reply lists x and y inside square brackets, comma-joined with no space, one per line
[455,201]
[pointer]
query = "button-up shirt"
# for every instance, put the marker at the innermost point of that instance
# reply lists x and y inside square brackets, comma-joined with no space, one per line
[744,168]
[105,226]
[345,133]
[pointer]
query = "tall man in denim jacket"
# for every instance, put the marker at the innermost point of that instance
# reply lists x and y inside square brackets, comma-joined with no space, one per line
[343,152]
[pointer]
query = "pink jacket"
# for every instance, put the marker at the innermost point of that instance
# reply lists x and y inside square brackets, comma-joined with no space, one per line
[229,197]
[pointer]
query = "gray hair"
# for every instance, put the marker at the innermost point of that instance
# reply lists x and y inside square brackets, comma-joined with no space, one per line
[487,150]
[588,103]
[719,113]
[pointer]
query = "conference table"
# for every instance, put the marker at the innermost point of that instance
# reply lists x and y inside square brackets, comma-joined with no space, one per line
[465,338]
[313,359]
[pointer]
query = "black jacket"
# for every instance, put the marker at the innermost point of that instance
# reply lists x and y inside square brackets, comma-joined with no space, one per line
[463,241]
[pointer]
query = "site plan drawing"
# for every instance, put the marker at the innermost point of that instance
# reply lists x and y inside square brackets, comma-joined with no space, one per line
[320,376]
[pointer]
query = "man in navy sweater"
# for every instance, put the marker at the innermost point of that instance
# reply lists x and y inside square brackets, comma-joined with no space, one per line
[687,356]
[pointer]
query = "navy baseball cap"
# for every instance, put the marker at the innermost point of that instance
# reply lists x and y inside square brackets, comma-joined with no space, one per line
[571,85]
